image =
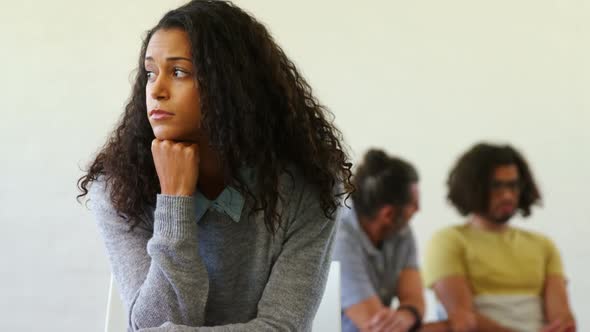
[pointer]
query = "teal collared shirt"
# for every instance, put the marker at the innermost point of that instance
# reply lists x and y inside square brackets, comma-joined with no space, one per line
[229,202]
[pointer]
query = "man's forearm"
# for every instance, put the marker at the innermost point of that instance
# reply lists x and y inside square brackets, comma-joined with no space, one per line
[483,325]
[436,327]
[414,301]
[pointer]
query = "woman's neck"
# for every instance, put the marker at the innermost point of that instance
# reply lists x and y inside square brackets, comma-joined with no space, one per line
[213,175]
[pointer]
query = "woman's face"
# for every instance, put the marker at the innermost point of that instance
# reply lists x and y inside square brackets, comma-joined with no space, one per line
[172,94]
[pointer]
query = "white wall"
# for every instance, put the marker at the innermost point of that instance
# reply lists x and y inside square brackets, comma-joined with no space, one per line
[421,79]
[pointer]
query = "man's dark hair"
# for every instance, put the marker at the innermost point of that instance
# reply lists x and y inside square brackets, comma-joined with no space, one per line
[380,180]
[469,181]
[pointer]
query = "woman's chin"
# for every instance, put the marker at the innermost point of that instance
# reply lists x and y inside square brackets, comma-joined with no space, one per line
[164,134]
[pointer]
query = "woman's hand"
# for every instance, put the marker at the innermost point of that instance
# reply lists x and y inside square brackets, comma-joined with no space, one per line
[177,165]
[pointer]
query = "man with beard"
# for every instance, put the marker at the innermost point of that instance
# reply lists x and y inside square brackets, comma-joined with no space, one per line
[377,250]
[489,275]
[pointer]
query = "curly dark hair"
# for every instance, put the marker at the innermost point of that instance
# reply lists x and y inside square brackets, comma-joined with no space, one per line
[470,179]
[380,180]
[258,111]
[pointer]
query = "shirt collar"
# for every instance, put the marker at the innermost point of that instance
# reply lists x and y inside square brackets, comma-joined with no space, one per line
[230,201]
[366,243]
[364,238]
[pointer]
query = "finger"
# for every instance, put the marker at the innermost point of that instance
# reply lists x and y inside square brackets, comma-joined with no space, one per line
[385,323]
[378,316]
[187,144]
[569,327]
[397,328]
[378,320]
[552,327]
[374,321]
[397,324]
[369,325]
[393,324]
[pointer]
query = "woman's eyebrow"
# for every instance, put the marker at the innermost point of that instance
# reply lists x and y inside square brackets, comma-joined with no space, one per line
[173,58]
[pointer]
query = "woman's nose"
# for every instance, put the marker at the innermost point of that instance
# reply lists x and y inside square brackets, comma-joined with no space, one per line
[159,88]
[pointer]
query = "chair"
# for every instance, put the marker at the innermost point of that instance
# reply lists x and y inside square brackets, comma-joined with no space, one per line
[327,317]
[116,318]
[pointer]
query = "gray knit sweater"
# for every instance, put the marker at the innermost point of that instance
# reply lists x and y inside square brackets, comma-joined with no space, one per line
[177,274]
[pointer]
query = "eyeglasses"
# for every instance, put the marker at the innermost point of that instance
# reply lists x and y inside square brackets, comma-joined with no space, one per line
[514,185]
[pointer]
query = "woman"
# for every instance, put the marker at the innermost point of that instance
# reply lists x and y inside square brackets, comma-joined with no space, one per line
[215,194]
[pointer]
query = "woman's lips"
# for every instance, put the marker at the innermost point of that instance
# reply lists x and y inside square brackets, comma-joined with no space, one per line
[160,114]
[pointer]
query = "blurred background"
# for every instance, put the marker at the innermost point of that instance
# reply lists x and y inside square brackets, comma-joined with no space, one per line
[424,80]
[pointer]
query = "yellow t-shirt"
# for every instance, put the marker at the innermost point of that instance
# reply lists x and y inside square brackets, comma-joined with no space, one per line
[514,261]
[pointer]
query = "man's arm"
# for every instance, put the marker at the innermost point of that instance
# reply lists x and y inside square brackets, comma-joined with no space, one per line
[410,291]
[557,309]
[361,313]
[456,297]
[371,314]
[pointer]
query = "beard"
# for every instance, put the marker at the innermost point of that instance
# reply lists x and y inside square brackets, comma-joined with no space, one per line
[501,218]
[399,222]
[502,211]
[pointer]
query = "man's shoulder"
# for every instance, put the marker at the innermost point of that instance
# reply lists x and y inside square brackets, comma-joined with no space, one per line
[450,233]
[532,236]
[348,228]
[348,236]
[347,219]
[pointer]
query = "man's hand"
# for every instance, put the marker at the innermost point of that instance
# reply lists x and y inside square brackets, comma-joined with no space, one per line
[558,326]
[177,165]
[388,320]
[463,321]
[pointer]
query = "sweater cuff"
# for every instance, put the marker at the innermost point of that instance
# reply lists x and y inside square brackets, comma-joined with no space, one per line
[174,216]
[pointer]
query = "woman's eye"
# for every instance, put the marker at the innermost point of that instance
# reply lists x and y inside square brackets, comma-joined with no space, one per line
[150,76]
[180,73]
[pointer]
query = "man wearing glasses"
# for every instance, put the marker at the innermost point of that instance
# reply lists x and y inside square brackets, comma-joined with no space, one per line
[489,275]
